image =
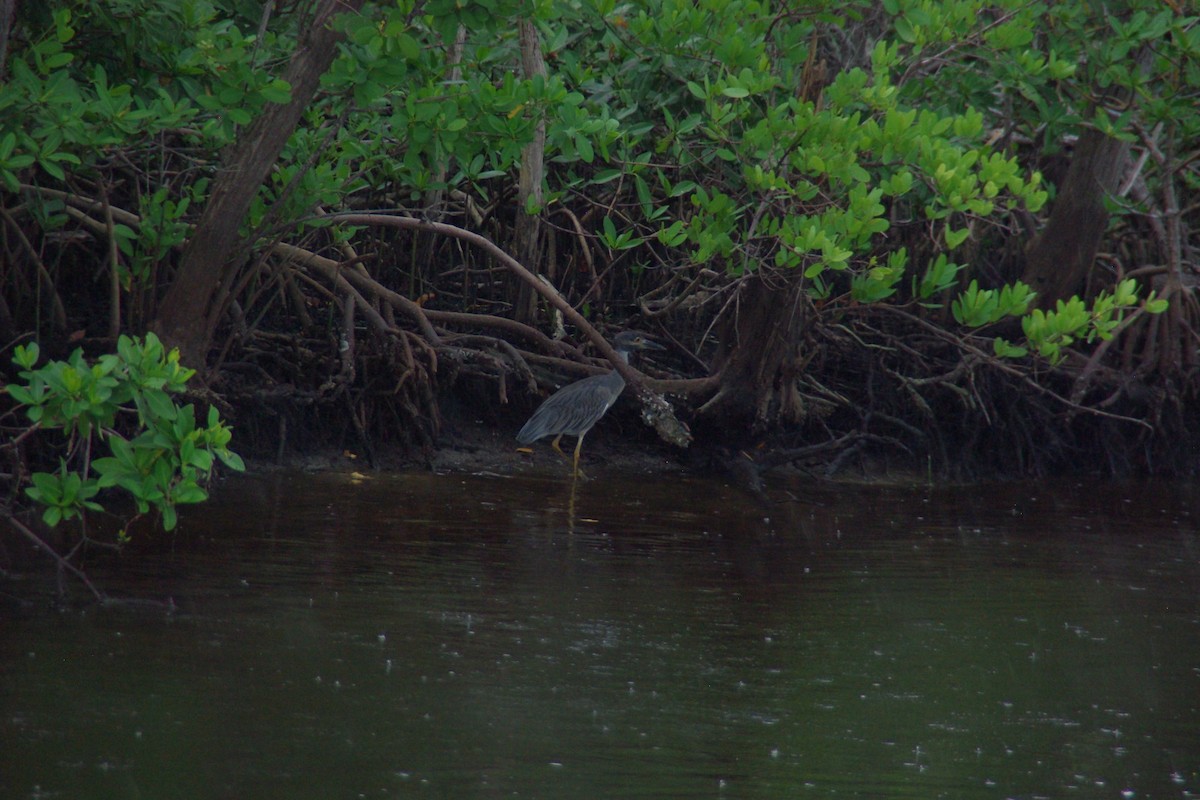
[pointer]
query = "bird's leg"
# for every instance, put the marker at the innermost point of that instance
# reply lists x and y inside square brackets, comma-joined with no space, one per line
[557,449]
[578,447]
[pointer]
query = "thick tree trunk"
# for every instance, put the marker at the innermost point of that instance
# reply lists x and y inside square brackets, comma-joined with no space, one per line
[199,292]
[760,359]
[1060,257]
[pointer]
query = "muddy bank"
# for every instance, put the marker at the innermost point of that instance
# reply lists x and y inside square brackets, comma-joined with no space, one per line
[473,446]
[471,441]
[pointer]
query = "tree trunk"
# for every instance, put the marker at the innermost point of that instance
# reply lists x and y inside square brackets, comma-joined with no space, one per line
[1060,257]
[760,358]
[436,196]
[528,249]
[199,293]
[8,10]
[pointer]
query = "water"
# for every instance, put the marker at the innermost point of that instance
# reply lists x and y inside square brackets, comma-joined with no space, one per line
[445,636]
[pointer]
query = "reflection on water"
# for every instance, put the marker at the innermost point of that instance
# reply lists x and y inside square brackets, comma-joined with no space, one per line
[649,637]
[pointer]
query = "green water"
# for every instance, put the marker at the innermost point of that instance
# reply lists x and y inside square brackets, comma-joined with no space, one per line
[460,637]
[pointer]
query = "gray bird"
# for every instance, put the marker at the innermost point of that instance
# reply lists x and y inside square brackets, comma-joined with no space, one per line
[575,408]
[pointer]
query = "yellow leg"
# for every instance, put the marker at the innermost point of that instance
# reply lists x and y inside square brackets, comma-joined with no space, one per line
[557,449]
[575,462]
[578,447]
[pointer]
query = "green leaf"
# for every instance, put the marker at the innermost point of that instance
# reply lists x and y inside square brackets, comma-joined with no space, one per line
[188,492]
[606,175]
[408,47]
[610,231]
[187,449]
[26,356]
[60,59]
[19,393]
[160,404]
[232,460]
[584,148]
[277,91]
[682,188]
[1006,349]
[955,238]
[201,460]
[52,168]
[674,235]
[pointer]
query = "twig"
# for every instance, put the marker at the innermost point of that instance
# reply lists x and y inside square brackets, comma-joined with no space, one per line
[63,564]
[60,311]
[114,263]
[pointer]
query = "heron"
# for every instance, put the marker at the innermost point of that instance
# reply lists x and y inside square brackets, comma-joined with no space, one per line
[575,408]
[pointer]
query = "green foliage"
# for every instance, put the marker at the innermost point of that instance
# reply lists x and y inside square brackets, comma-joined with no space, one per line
[617,241]
[775,180]
[879,282]
[976,307]
[11,163]
[59,113]
[440,133]
[660,100]
[681,133]
[165,462]
[1049,332]
[940,275]
[1055,68]
[64,495]
[1071,320]
[162,229]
